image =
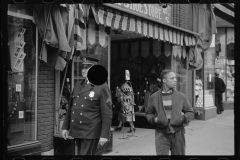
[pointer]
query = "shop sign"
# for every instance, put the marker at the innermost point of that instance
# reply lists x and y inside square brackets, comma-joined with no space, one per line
[149,11]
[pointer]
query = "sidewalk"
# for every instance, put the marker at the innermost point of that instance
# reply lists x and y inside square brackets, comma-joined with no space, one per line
[211,137]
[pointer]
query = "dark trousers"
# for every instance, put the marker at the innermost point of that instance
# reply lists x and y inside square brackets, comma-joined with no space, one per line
[218,102]
[174,142]
[86,146]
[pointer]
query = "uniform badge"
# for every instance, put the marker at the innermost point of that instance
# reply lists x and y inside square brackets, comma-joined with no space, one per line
[91,94]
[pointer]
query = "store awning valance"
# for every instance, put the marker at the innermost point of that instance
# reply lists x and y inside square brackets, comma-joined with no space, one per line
[126,22]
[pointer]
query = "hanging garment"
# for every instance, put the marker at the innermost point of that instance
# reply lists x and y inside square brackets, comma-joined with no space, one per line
[102,36]
[55,35]
[91,32]
[81,11]
[204,22]
[167,49]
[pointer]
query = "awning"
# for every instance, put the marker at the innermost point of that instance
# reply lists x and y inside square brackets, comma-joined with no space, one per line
[123,21]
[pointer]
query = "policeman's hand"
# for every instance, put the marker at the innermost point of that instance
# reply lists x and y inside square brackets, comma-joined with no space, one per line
[65,134]
[102,141]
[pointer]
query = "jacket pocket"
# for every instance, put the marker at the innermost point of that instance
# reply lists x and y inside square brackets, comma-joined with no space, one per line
[176,120]
[162,122]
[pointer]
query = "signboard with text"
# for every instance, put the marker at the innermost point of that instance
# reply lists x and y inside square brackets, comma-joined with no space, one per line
[149,11]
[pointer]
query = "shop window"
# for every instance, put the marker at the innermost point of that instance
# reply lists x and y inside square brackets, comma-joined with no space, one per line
[225,60]
[22,73]
[179,64]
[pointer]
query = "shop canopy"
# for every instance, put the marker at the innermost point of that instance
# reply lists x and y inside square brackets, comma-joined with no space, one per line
[126,22]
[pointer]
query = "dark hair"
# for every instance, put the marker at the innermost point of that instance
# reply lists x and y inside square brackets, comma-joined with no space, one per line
[164,73]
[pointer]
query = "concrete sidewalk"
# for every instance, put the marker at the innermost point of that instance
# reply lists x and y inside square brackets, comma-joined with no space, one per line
[211,137]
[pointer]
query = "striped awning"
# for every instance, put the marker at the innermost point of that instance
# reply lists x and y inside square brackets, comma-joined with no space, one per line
[123,21]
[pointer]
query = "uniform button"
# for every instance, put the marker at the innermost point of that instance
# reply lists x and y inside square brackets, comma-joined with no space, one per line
[80,113]
[72,120]
[91,99]
[80,122]
[73,111]
[82,105]
[84,97]
[77,96]
[75,104]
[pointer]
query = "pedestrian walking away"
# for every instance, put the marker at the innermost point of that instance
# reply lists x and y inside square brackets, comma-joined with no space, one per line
[89,116]
[168,109]
[220,88]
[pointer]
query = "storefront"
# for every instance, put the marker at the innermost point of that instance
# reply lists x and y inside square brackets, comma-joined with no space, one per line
[135,37]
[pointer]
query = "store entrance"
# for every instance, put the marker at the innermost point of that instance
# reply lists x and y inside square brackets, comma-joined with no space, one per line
[144,59]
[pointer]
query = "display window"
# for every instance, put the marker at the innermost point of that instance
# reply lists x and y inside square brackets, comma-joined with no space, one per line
[22,80]
[225,60]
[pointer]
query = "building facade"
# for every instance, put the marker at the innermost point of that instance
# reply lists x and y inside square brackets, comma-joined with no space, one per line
[141,38]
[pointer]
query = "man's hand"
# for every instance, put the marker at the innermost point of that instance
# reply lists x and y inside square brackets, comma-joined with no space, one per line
[65,134]
[102,141]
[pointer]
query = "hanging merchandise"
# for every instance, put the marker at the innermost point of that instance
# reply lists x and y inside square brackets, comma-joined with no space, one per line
[179,51]
[161,33]
[174,50]
[171,36]
[150,29]
[109,17]
[181,39]
[79,29]
[139,24]
[145,28]
[145,48]
[184,51]
[117,20]
[155,31]
[102,35]
[166,36]
[167,49]
[156,48]
[134,49]
[186,40]
[174,37]
[132,24]
[178,38]
[124,50]
[91,32]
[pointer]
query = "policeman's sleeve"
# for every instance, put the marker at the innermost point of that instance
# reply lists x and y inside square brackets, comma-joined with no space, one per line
[106,111]
[150,111]
[188,111]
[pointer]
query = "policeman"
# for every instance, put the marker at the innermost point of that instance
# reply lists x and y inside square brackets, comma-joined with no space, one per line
[89,116]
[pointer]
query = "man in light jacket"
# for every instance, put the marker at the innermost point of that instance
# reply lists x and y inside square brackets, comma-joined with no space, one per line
[164,110]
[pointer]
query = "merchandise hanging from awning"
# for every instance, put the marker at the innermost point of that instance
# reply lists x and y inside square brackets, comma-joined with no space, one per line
[126,22]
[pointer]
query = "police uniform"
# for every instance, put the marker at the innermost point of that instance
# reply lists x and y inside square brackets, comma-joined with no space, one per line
[89,116]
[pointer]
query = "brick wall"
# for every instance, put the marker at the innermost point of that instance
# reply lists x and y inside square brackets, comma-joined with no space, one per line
[46,106]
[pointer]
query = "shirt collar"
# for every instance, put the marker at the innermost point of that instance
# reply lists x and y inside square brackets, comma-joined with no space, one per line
[170,91]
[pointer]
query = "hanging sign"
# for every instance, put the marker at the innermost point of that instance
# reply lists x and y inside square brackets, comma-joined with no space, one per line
[149,11]
[17,64]
[18,88]
[19,44]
